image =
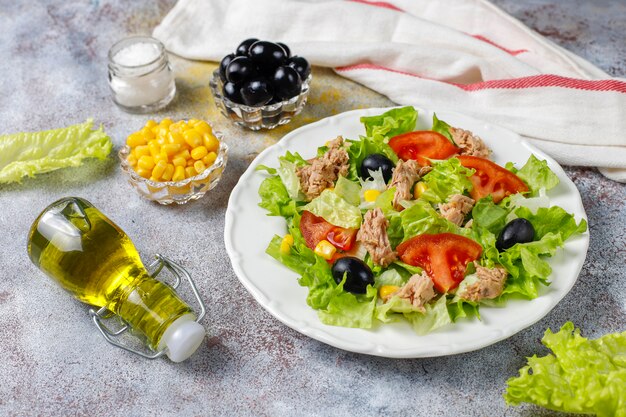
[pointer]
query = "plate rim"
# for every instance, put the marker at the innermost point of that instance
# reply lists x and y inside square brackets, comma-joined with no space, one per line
[370,348]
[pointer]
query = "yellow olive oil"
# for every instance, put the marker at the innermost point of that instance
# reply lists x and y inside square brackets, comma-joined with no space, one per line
[92,258]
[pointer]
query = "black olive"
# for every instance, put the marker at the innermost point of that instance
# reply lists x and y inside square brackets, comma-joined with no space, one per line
[358,274]
[240,69]
[256,92]
[516,231]
[287,82]
[285,48]
[231,92]
[301,65]
[267,54]
[223,64]
[242,49]
[374,162]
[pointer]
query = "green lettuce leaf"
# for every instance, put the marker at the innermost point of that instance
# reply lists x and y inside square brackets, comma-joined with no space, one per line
[421,218]
[488,215]
[349,310]
[552,220]
[391,123]
[442,127]
[536,174]
[436,316]
[447,178]
[27,154]
[579,376]
[335,210]
[348,190]
[291,181]
[275,198]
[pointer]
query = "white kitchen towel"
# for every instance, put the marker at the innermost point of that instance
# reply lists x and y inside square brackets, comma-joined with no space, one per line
[462,55]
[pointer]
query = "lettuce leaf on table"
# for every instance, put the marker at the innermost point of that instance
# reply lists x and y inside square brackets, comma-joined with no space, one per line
[579,376]
[27,154]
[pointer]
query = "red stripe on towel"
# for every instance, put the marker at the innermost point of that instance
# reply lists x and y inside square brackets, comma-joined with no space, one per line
[534,81]
[492,43]
[379,4]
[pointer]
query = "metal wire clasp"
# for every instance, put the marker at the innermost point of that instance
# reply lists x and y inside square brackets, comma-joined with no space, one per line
[156,266]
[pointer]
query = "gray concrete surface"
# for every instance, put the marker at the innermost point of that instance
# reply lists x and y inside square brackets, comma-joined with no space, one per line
[52,360]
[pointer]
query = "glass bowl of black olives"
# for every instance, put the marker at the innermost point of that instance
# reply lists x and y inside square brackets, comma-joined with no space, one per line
[261,85]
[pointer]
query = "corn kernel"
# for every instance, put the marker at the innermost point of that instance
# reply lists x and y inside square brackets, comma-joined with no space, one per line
[190,162]
[177,137]
[325,249]
[162,132]
[199,166]
[171,148]
[159,169]
[286,244]
[419,189]
[183,154]
[203,127]
[387,291]
[141,150]
[209,159]
[193,138]
[151,123]
[169,172]
[190,172]
[166,122]
[147,133]
[371,195]
[199,152]
[211,143]
[179,174]
[146,162]
[136,139]
[193,122]
[162,156]
[144,172]
[179,162]
[131,159]
[154,148]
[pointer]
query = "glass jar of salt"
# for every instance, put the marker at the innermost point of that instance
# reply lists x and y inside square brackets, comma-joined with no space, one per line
[140,76]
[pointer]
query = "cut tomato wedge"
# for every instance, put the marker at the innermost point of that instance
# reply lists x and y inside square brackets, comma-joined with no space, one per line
[315,229]
[491,179]
[422,145]
[443,256]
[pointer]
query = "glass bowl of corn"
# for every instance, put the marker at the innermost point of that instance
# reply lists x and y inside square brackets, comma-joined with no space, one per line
[174,162]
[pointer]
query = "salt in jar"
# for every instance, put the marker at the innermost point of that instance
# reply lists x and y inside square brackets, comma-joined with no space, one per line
[140,76]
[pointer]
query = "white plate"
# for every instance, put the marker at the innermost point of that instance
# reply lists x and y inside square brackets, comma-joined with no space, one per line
[249,230]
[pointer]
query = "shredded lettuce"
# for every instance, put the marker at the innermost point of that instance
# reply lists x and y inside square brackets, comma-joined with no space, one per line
[335,210]
[579,376]
[27,154]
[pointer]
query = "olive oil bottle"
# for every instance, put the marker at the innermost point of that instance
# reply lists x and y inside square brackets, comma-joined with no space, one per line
[92,258]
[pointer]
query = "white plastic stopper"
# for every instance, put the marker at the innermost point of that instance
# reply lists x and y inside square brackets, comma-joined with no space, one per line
[182,338]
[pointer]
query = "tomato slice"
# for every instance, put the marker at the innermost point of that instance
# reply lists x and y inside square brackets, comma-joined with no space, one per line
[443,256]
[422,146]
[315,229]
[491,179]
[342,238]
